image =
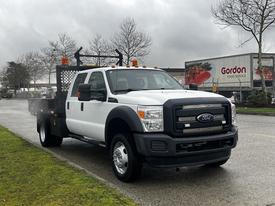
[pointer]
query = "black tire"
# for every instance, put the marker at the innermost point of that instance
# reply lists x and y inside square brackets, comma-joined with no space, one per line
[133,166]
[56,141]
[45,137]
[217,164]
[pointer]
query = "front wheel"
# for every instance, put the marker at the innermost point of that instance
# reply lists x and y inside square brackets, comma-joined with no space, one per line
[125,162]
[45,137]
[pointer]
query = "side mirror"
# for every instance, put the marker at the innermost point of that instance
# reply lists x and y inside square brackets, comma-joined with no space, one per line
[99,95]
[84,92]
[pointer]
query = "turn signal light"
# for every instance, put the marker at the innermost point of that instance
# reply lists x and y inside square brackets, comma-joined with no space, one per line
[64,60]
[141,114]
[134,62]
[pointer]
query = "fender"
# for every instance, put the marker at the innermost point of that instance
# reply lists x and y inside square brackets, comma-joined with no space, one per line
[126,114]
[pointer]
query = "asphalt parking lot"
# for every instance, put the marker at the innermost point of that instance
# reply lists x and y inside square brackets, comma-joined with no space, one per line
[247,179]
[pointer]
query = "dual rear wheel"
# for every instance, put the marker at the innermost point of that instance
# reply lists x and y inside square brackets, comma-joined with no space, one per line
[45,137]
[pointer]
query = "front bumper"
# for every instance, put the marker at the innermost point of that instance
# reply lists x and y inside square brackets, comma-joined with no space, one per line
[162,150]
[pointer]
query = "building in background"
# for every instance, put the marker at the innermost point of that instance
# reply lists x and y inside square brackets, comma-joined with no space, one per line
[177,73]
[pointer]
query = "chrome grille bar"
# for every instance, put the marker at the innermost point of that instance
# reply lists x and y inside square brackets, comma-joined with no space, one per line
[202,130]
[218,117]
[200,106]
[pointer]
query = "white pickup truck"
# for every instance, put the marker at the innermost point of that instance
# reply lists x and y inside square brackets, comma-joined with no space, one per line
[140,115]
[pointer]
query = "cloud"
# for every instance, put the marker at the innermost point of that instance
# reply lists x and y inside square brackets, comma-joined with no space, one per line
[180,30]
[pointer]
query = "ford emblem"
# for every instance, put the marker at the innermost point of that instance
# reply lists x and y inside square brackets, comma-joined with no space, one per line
[205,117]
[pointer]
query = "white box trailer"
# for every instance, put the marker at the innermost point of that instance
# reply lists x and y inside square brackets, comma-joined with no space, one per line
[230,74]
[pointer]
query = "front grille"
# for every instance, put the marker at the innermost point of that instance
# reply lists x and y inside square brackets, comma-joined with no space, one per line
[185,117]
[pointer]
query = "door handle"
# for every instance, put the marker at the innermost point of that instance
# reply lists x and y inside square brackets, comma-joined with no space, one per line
[68,105]
[82,106]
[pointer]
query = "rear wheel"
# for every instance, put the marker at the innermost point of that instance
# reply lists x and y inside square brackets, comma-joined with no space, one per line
[125,162]
[46,139]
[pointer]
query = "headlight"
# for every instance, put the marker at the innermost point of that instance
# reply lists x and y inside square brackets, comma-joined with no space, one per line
[151,118]
[234,115]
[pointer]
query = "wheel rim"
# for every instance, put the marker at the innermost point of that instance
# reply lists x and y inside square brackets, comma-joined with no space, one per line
[120,158]
[42,133]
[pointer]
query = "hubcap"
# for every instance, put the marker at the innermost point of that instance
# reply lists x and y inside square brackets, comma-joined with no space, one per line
[120,158]
[42,133]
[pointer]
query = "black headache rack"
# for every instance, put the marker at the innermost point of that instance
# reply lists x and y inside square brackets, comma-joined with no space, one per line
[65,73]
[54,108]
[77,56]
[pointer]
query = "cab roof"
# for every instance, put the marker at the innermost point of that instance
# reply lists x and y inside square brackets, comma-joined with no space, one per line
[119,67]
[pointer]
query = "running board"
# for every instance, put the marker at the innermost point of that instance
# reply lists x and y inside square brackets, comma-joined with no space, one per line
[88,140]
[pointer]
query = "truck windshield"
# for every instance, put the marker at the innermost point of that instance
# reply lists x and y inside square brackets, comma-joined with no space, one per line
[126,80]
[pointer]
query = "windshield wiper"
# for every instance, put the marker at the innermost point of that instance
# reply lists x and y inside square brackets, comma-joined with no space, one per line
[163,88]
[127,90]
[124,90]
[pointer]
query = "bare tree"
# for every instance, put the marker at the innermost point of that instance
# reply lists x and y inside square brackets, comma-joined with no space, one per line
[253,16]
[99,46]
[48,59]
[130,41]
[64,46]
[35,68]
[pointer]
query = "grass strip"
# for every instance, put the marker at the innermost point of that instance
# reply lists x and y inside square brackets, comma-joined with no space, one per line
[256,110]
[30,176]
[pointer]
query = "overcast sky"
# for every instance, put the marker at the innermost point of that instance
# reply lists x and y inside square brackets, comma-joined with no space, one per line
[180,29]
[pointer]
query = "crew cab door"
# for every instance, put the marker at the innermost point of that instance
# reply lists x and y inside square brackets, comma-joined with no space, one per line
[87,118]
[73,106]
[95,112]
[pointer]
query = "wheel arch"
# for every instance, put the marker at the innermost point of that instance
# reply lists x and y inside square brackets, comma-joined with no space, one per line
[121,119]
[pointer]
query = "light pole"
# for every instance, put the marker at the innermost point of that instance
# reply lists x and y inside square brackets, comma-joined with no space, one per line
[52,63]
[241,95]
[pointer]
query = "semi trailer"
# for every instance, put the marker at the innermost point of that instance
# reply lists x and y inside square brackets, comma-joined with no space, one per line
[228,74]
